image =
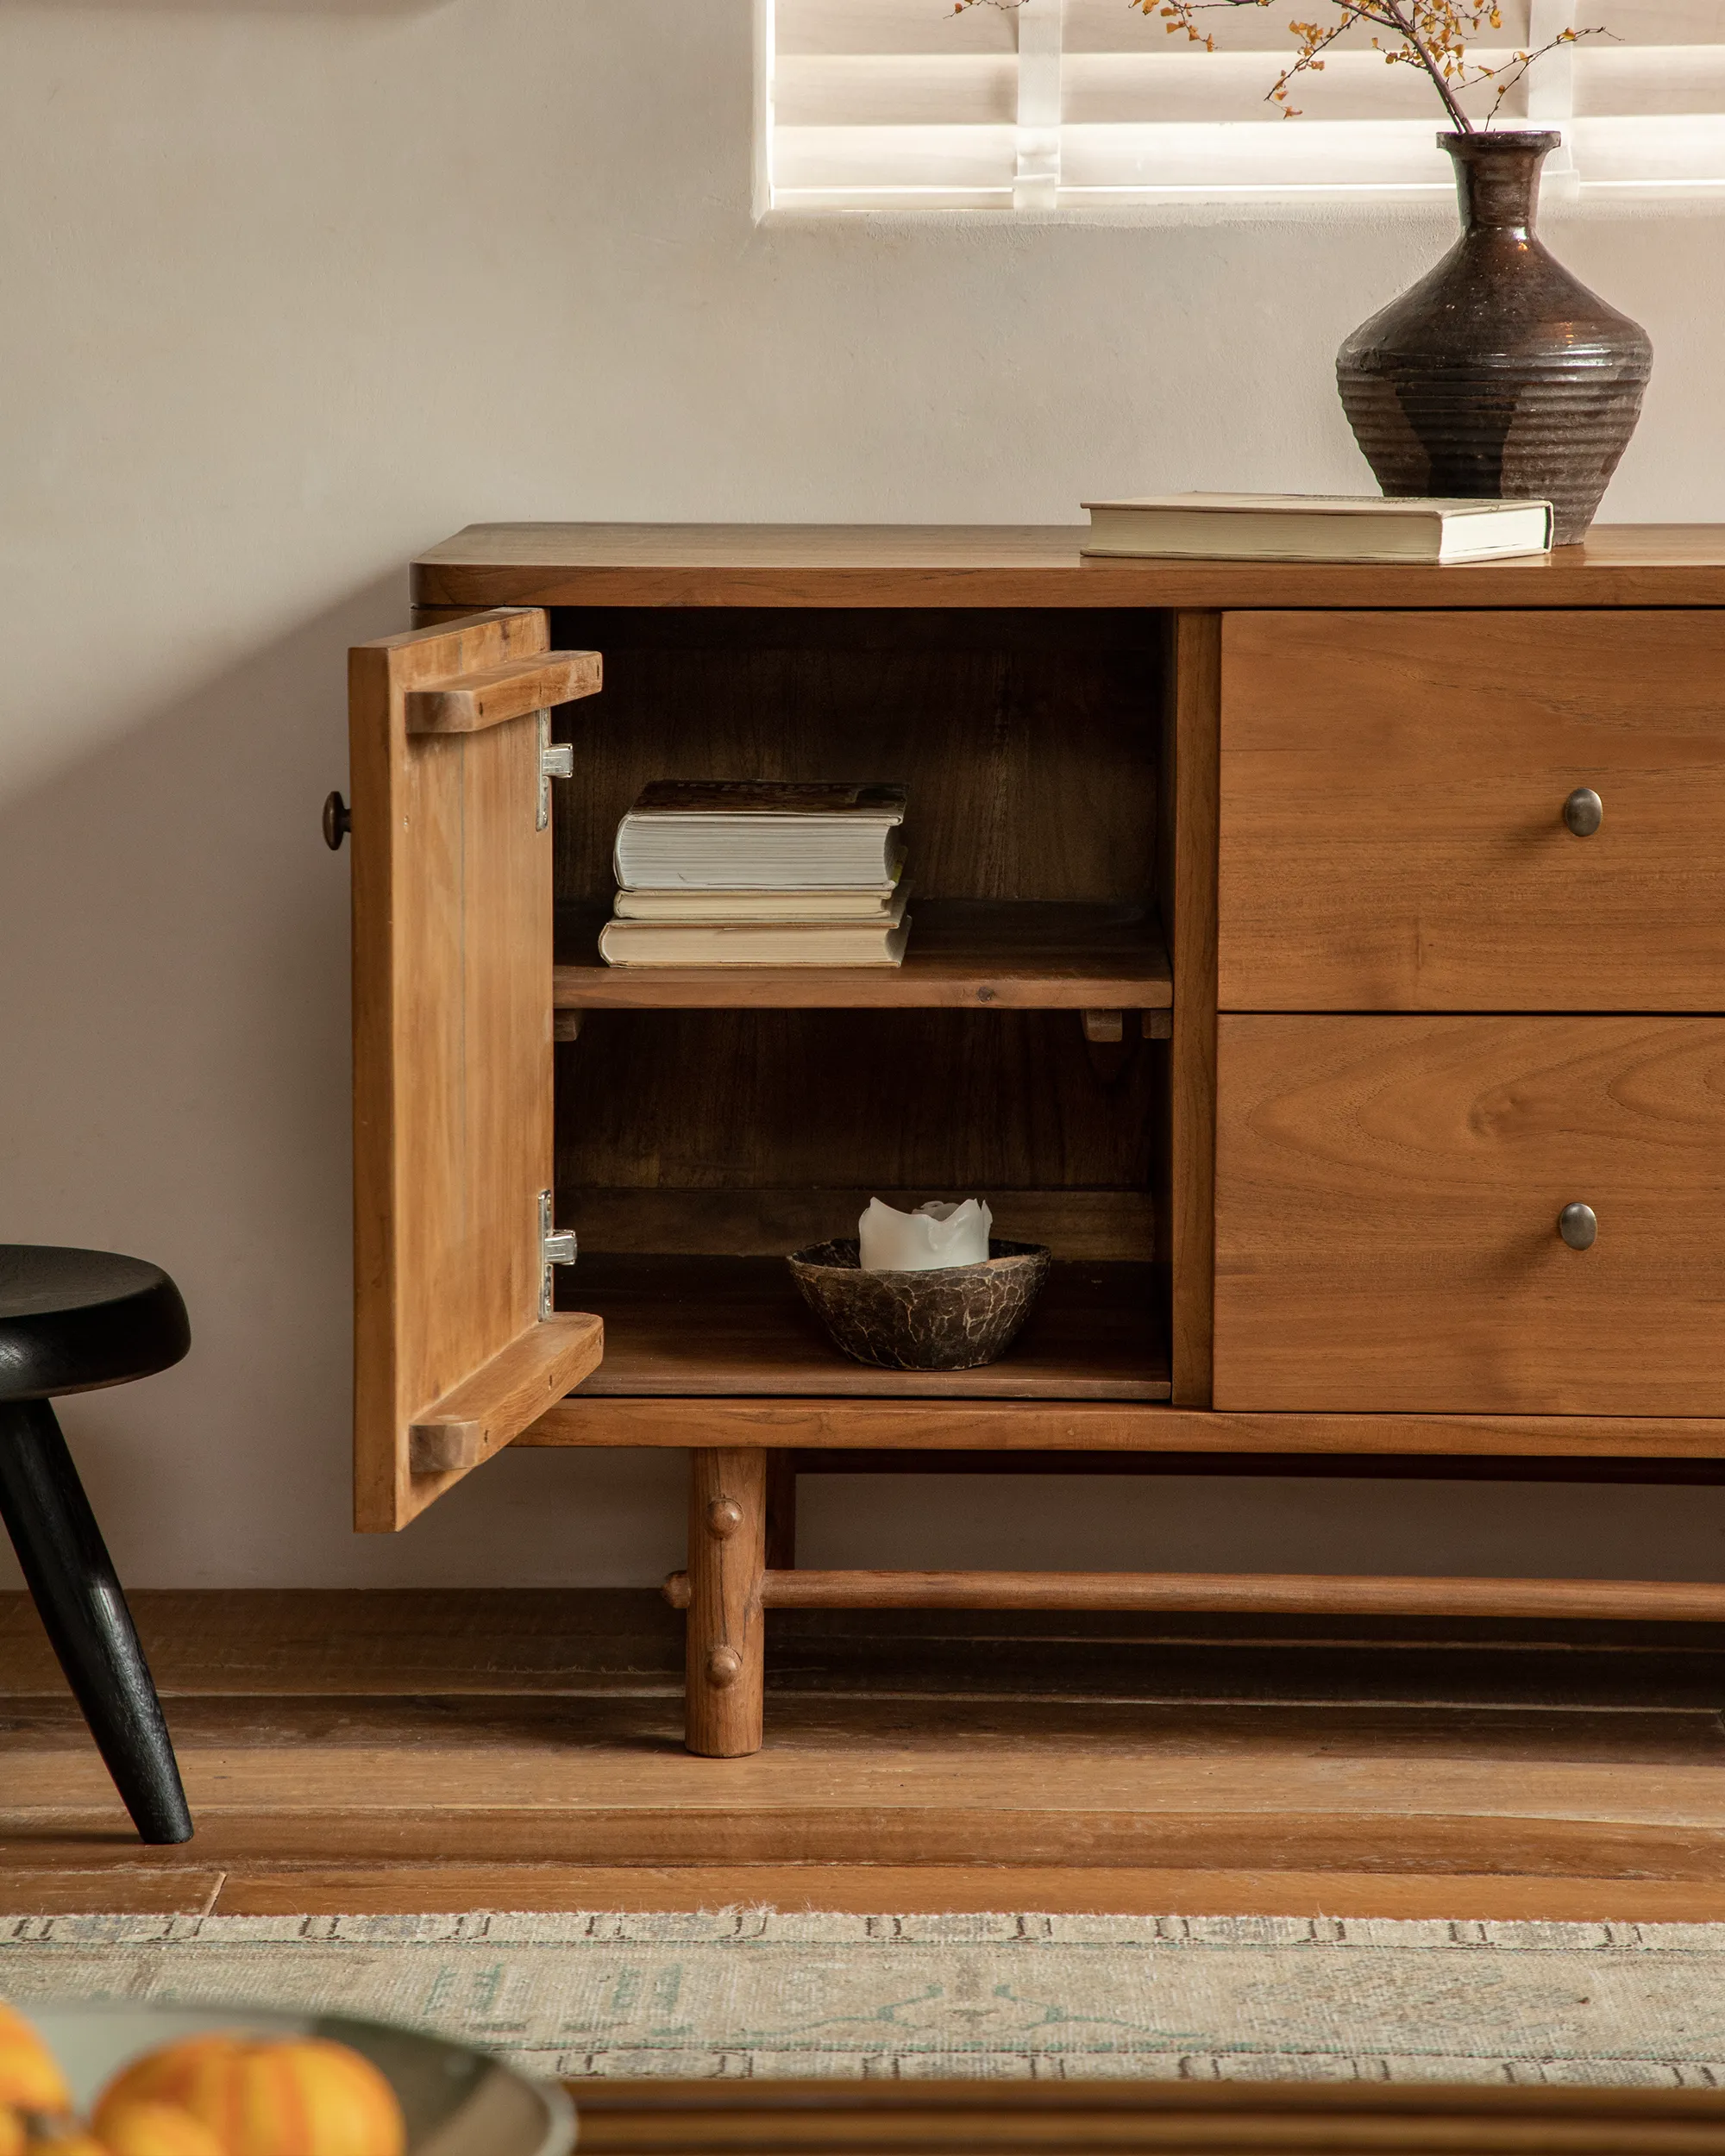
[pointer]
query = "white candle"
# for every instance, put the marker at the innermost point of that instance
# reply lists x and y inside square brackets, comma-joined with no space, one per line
[943,1232]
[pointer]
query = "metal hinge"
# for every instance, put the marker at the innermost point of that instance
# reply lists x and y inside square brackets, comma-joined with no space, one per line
[557,1247]
[556,760]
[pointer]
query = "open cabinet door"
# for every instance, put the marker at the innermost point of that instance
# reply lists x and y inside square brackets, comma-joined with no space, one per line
[456,1352]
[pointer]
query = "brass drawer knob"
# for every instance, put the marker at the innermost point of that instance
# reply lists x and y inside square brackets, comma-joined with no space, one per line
[1584,812]
[1578,1224]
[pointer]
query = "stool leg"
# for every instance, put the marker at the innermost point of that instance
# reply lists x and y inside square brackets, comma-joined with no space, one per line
[71,1576]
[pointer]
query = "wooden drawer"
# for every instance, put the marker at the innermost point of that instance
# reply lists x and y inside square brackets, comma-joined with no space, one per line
[1392,794]
[1387,1199]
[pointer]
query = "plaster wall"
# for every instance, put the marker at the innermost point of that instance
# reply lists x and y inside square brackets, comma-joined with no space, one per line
[292,288]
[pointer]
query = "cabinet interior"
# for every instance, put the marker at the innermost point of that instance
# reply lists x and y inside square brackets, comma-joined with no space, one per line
[696,1146]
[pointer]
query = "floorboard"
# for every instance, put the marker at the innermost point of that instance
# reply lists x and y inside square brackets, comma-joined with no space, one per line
[350,1752]
[924,1890]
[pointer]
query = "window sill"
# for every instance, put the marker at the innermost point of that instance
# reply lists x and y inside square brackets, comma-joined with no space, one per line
[1174,207]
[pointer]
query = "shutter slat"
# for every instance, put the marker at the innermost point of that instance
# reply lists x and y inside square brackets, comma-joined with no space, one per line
[1382,153]
[1618,82]
[889,27]
[1135,88]
[882,161]
[1652,22]
[904,91]
[1624,154]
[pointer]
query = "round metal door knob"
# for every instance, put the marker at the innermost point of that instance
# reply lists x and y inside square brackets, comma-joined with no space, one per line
[338,821]
[1578,1224]
[1584,812]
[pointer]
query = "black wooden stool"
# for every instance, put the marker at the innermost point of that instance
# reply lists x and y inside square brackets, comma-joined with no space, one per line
[70,1321]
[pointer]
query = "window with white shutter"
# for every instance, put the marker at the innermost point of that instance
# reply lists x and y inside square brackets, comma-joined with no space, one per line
[897,105]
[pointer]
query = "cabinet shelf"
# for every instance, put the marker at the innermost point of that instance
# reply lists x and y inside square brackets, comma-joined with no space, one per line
[964,954]
[677,1327]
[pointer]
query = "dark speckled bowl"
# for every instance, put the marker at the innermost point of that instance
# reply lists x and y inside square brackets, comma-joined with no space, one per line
[955,1318]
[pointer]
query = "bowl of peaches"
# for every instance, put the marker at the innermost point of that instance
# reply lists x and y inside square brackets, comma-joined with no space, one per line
[118,2078]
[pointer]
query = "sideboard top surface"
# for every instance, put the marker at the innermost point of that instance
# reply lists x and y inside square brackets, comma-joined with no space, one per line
[1023,565]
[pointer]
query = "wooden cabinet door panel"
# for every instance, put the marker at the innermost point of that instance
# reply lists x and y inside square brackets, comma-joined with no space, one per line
[452,1056]
[1387,1199]
[1392,795]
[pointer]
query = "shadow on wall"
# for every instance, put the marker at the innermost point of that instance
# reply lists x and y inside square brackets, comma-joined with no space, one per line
[175,978]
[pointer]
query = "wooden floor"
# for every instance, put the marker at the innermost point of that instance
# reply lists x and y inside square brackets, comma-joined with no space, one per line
[430,1752]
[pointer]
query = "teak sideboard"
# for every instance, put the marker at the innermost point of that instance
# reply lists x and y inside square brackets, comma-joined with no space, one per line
[1327,962]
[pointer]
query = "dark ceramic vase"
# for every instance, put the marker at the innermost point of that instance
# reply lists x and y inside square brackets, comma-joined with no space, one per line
[1498,373]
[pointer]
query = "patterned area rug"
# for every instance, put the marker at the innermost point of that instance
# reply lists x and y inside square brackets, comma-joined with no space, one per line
[747,1991]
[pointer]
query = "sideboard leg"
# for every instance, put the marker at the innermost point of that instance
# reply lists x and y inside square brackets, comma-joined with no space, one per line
[726,1667]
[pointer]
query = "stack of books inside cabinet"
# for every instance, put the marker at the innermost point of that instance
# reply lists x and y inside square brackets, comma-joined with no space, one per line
[738,872]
